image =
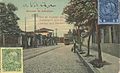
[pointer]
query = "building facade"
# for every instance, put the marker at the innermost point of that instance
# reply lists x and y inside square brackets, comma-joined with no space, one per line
[110,39]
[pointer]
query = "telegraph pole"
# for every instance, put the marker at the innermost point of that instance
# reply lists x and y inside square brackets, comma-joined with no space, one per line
[56,32]
[25,24]
[26,41]
[35,41]
[56,36]
[35,22]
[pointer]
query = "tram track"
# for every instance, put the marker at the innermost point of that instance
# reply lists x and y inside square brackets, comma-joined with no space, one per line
[38,52]
[59,60]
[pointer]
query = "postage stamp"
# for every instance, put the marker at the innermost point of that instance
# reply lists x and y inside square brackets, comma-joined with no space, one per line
[12,60]
[119,9]
[108,12]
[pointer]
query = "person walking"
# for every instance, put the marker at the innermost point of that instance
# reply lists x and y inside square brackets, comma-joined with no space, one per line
[74,47]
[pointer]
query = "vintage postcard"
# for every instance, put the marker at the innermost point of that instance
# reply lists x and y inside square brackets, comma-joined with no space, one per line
[59,36]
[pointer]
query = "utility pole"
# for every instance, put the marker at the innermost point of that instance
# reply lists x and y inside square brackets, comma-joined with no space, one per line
[35,22]
[35,41]
[56,36]
[25,24]
[26,41]
[56,32]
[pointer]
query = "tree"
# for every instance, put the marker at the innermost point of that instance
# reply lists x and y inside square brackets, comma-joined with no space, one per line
[83,14]
[8,19]
[73,17]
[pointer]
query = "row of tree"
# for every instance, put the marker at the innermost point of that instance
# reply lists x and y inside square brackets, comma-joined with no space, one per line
[83,14]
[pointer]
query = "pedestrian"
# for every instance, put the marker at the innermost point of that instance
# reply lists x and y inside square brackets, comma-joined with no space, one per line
[74,47]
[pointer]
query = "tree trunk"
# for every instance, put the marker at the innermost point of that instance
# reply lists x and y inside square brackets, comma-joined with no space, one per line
[88,53]
[98,43]
[98,38]
[79,39]
[3,39]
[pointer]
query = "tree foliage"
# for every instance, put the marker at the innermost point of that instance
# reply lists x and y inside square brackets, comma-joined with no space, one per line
[81,13]
[8,18]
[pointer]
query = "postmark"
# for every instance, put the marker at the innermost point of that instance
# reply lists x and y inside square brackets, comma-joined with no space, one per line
[108,12]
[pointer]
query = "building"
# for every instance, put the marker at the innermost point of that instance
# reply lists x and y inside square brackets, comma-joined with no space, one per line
[110,39]
[10,40]
[46,36]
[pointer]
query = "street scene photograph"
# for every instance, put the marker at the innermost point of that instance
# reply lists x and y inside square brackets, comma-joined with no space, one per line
[59,36]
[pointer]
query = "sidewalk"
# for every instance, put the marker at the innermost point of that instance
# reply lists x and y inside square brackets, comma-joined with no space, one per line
[112,65]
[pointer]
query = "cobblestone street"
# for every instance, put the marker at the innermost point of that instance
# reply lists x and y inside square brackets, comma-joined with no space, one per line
[60,60]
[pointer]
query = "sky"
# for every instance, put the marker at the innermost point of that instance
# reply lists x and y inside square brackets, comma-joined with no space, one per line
[27,12]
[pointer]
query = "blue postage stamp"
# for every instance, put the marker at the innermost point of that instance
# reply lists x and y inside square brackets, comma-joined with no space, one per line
[119,9]
[108,12]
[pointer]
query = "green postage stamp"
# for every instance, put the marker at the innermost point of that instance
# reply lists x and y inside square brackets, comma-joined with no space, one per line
[11,60]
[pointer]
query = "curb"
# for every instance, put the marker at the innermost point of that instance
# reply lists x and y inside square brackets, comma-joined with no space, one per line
[90,67]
